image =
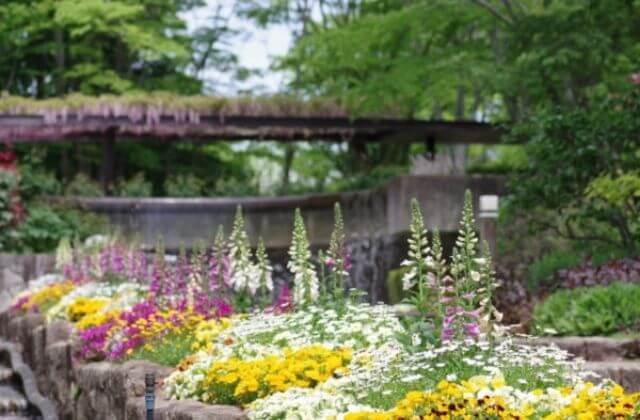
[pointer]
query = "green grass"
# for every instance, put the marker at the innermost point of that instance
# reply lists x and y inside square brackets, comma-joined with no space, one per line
[395,388]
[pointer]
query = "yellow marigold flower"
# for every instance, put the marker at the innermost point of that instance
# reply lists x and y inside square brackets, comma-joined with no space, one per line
[240,382]
[82,307]
[48,295]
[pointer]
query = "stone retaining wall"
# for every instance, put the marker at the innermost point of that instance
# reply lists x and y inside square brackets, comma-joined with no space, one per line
[112,391]
[617,359]
[597,349]
[17,269]
[100,390]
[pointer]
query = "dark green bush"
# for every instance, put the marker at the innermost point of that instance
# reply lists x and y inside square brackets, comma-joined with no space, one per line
[599,310]
[136,186]
[46,225]
[83,186]
[540,273]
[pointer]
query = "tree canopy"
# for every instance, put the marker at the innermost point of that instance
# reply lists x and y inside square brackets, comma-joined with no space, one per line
[51,47]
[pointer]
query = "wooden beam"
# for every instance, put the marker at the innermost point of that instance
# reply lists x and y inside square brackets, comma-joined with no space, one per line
[35,128]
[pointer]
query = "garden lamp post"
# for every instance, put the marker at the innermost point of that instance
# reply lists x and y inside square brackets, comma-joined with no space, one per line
[488,218]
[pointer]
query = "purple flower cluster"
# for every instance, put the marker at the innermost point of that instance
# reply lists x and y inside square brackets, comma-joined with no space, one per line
[220,271]
[18,304]
[458,322]
[116,337]
[93,341]
[284,301]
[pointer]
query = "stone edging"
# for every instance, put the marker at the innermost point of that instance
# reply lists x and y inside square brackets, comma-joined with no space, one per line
[28,382]
[99,390]
[596,349]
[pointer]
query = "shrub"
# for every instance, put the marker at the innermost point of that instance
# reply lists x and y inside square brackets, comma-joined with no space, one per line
[541,272]
[83,186]
[184,185]
[136,186]
[45,225]
[624,270]
[599,310]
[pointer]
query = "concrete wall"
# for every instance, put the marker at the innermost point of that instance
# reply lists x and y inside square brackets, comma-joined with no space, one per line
[383,211]
[376,221]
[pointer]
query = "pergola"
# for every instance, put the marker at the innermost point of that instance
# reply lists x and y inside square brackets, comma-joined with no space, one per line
[163,117]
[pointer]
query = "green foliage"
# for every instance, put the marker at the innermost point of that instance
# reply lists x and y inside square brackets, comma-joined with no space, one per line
[35,183]
[136,186]
[167,350]
[541,272]
[599,310]
[184,185]
[97,46]
[453,58]
[570,149]
[500,159]
[361,180]
[83,186]
[619,197]
[8,186]
[46,225]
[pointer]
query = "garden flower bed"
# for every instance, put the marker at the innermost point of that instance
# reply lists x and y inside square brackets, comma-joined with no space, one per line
[226,337]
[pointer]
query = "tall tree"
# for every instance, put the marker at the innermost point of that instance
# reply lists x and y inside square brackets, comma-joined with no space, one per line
[53,47]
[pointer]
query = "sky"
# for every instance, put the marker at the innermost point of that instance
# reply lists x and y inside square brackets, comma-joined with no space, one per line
[255,49]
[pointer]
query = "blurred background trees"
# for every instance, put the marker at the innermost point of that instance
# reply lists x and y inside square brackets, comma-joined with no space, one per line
[562,76]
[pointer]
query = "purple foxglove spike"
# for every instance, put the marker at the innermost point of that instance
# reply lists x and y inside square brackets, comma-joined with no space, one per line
[330,262]
[284,301]
[472,330]
[346,259]
[105,260]
[469,296]
[117,260]
[474,314]
[447,334]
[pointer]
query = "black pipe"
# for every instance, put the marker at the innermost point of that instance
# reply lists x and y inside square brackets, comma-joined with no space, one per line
[149,394]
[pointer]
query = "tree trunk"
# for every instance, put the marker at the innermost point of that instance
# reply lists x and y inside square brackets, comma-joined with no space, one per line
[108,172]
[289,153]
[60,62]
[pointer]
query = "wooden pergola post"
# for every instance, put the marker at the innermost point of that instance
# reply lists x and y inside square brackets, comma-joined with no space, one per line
[108,164]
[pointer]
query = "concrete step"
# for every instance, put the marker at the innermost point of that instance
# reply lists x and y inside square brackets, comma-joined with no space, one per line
[11,401]
[5,374]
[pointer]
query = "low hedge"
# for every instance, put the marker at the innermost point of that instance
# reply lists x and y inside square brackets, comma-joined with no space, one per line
[584,311]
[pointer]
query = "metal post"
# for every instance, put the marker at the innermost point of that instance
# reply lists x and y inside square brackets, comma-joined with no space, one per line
[149,394]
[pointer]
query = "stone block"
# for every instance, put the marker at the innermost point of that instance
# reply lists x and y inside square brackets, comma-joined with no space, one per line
[29,324]
[58,331]
[625,373]
[182,410]
[38,343]
[14,328]
[60,377]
